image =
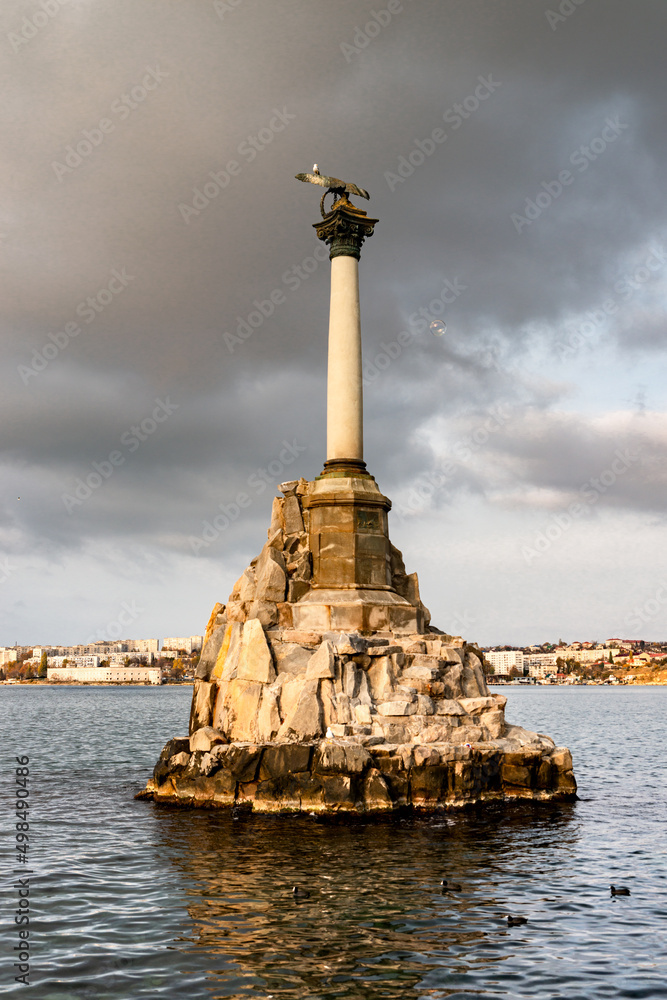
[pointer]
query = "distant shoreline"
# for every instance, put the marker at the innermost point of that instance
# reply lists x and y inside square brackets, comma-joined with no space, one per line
[106,684]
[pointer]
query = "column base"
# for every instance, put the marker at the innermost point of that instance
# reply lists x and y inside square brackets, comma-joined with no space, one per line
[356,610]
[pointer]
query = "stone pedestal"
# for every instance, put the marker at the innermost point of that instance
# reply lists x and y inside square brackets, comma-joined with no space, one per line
[352,585]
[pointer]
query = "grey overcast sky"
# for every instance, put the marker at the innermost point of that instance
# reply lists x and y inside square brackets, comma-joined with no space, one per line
[164,310]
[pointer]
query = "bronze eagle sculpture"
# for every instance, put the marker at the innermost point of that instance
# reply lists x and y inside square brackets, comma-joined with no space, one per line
[333,185]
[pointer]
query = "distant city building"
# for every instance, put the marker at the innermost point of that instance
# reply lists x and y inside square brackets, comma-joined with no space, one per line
[188,643]
[6,655]
[504,661]
[588,655]
[73,661]
[136,673]
[142,645]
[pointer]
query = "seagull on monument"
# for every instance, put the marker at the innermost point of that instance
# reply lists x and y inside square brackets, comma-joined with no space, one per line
[335,186]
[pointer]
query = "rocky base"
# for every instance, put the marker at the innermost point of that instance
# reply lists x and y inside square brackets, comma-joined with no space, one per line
[336,776]
[382,711]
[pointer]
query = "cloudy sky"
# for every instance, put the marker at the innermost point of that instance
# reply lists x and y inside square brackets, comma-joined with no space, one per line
[165,311]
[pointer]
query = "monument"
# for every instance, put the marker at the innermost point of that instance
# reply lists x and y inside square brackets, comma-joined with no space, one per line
[322,686]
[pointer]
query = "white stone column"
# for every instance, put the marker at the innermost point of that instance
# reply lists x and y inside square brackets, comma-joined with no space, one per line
[345,435]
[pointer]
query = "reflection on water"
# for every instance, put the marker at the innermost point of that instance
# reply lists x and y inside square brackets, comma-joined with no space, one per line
[134,900]
[377,922]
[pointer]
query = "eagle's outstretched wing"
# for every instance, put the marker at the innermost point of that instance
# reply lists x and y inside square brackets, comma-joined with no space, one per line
[333,184]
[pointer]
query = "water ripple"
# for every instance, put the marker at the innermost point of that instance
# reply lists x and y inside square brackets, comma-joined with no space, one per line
[133,900]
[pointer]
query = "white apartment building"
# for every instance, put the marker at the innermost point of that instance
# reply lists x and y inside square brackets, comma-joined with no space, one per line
[6,655]
[540,664]
[136,673]
[587,655]
[142,645]
[73,661]
[503,661]
[189,643]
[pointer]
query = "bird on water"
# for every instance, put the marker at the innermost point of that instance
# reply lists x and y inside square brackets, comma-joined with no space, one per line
[450,886]
[619,890]
[516,921]
[300,893]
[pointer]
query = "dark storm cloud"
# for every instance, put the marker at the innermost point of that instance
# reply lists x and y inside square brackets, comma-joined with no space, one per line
[158,141]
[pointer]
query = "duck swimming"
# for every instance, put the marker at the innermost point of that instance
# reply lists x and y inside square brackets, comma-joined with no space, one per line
[620,890]
[450,886]
[516,921]
[300,893]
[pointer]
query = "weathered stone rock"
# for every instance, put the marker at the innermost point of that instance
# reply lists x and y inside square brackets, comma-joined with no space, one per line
[296,589]
[209,652]
[381,678]
[415,647]
[328,700]
[346,643]
[394,732]
[421,693]
[429,785]
[285,618]
[345,758]
[205,738]
[236,611]
[291,658]
[179,744]
[266,613]
[247,586]
[350,679]
[203,699]
[425,705]
[212,622]
[337,790]
[494,723]
[426,756]
[242,707]
[322,663]
[271,576]
[227,659]
[255,661]
[362,714]
[278,761]
[178,760]
[561,758]
[242,762]
[364,693]
[300,569]
[376,792]
[418,673]
[276,540]
[396,708]
[305,722]
[515,774]
[303,638]
[276,516]
[343,709]
[268,716]
[476,706]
